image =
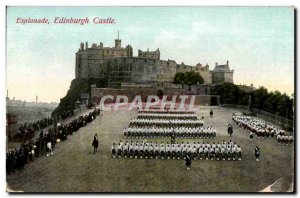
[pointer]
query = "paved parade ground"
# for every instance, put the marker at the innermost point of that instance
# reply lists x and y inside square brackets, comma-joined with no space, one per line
[74,167]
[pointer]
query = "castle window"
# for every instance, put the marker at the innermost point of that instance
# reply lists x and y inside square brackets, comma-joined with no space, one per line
[145,60]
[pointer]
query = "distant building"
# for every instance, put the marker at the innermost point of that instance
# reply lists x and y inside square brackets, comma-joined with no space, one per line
[19,103]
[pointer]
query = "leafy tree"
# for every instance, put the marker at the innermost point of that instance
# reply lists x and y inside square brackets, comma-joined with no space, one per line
[188,78]
[179,78]
[273,102]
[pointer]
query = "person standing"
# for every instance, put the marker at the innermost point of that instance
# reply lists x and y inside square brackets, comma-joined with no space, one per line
[257,153]
[95,143]
[211,113]
[230,130]
[188,162]
[251,135]
[49,147]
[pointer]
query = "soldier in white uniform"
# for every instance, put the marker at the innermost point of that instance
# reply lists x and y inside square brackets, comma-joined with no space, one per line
[168,151]
[113,150]
[178,151]
[136,150]
[146,150]
[151,150]
[183,149]
[229,151]
[141,150]
[162,151]
[126,149]
[194,152]
[205,150]
[251,135]
[223,152]
[239,152]
[218,153]
[130,149]
[279,139]
[120,149]
[173,151]
[156,150]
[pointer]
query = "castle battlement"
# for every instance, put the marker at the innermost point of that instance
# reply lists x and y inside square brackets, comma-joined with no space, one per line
[118,64]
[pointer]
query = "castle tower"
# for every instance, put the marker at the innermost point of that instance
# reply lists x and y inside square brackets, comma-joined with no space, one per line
[118,42]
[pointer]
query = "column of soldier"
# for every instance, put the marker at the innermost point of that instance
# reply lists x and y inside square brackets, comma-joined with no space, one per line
[262,129]
[162,124]
[172,124]
[26,153]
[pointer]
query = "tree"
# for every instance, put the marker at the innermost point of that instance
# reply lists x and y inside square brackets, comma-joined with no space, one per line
[188,78]
[273,102]
[179,78]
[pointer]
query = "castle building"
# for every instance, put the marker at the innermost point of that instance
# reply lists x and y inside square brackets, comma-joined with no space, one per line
[148,54]
[222,73]
[117,64]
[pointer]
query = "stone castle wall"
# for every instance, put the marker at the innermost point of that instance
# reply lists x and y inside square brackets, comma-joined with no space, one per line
[117,64]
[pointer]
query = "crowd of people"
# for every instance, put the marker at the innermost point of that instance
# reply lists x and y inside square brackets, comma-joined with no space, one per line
[45,143]
[166,132]
[196,151]
[65,114]
[26,131]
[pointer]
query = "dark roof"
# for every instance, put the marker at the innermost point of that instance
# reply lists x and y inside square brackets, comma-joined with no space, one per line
[221,68]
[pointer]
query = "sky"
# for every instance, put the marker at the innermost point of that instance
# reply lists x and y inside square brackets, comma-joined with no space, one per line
[258,42]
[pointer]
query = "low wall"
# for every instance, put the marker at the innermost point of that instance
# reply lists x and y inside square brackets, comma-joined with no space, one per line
[144,92]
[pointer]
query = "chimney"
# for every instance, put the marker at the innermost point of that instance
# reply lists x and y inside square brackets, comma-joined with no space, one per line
[227,63]
[86,45]
[36,99]
[216,63]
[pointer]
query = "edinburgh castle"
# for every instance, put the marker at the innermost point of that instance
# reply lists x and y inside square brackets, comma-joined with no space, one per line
[118,65]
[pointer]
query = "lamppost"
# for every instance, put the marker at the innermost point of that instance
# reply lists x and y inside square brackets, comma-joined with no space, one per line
[249,102]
